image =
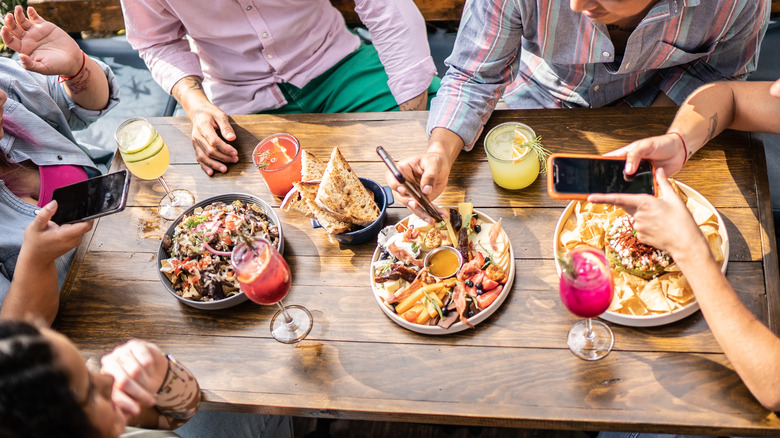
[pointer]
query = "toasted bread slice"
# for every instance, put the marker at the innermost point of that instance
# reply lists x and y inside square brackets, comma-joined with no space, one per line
[295,202]
[331,223]
[342,193]
[312,167]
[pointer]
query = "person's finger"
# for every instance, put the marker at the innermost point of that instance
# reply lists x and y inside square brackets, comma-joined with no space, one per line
[21,19]
[125,403]
[215,165]
[132,380]
[206,169]
[225,129]
[43,216]
[663,183]
[32,14]
[629,202]
[634,153]
[621,152]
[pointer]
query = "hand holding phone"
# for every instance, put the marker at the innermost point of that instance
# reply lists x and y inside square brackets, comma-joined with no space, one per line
[92,198]
[572,176]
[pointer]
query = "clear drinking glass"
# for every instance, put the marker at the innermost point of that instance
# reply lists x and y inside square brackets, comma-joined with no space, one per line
[512,167]
[264,277]
[146,156]
[586,289]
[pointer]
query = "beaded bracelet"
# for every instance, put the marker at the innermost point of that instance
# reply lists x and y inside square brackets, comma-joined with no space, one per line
[62,79]
[685,148]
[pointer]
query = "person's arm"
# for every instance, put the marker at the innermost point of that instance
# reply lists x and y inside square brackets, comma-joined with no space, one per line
[751,347]
[398,32]
[708,111]
[481,65]
[34,290]
[207,119]
[158,35]
[45,48]
[735,33]
[151,389]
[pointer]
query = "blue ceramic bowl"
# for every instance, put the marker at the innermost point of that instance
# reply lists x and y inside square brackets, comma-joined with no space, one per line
[383,197]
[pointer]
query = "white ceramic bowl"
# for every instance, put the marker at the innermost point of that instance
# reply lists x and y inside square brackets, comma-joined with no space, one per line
[657,319]
[458,326]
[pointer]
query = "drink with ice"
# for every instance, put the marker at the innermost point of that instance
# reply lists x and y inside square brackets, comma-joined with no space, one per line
[278,157]
[586,289]
[513,164]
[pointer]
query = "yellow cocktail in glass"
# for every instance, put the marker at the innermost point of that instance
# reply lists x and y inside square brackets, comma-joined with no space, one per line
[512,165]
[145,153]
[146,156]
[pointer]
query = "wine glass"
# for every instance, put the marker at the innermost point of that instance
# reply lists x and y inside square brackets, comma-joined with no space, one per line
[146,156]
[586,289]
[264,277]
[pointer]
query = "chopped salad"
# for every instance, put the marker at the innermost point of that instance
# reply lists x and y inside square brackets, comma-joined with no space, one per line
[199,265]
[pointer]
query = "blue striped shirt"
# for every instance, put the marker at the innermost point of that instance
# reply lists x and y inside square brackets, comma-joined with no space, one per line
[541,54]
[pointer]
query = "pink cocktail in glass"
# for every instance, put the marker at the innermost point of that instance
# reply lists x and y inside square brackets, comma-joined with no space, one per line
[278,157]
[586,289]
[264,276]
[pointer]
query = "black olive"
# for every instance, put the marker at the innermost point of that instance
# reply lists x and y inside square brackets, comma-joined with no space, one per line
[469,283]
[477,228]
[479,286]
[471,313]
[445,311]
[480,291]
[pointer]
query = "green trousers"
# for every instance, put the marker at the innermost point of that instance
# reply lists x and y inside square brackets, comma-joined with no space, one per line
[358,83]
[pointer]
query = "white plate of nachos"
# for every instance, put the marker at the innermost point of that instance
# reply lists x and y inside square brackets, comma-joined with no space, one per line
[656,299]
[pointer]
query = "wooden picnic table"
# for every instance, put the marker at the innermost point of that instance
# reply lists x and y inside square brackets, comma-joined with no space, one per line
[512,370]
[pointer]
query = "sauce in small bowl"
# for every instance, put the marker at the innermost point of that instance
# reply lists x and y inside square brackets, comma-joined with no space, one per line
[443,262]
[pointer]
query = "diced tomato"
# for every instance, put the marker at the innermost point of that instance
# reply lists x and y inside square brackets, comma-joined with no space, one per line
[487,298]
[228,240]
[488,284]
[230,225]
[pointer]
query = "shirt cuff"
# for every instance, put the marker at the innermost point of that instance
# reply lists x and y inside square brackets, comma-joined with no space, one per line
[458,117]
[411,82]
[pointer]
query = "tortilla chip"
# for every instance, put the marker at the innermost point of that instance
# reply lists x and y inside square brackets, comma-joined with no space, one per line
[654,298]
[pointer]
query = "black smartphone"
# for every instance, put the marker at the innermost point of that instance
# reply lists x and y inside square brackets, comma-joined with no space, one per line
[571,176]
[92,198]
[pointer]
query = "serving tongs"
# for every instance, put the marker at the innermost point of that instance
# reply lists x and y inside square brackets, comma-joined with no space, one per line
[410,185]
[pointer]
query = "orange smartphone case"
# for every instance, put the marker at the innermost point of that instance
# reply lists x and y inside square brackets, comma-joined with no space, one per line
[581,196]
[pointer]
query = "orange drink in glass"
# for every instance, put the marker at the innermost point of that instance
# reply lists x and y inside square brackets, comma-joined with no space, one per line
[278,157]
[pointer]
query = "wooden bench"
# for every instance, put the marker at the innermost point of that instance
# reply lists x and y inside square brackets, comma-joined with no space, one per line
[106,15]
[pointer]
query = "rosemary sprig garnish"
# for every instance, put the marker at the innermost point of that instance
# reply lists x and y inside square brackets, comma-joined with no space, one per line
[541,152]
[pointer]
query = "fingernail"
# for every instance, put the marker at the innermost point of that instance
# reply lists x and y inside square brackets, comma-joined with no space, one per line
[38,210]
[427,189]
[629,168]
[51,205]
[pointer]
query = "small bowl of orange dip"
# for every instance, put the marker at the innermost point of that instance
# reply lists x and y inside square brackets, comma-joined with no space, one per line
[443,262]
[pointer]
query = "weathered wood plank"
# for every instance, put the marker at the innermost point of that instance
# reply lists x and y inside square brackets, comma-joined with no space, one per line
[512,386]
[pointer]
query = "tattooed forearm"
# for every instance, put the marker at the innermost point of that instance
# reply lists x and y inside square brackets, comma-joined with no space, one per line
[415,104]
[78,84]
[713,127]
[186,84]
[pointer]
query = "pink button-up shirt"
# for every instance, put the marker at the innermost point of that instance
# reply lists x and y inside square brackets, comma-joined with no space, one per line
[242,48]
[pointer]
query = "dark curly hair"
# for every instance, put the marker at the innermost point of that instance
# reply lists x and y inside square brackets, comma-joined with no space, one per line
[35,395]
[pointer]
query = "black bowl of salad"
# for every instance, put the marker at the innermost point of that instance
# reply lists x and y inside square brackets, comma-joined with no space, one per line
[193,260]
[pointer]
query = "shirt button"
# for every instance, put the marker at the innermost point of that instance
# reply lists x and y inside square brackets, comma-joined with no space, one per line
[59,157]
[249,8]
[265,34]
[606,54]
[270,56]
[596,87]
